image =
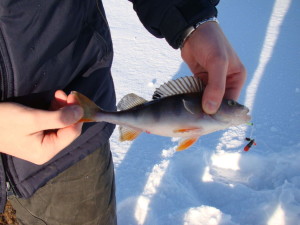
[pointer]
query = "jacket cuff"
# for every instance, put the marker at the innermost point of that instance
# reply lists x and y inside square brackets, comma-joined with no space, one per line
[178,18]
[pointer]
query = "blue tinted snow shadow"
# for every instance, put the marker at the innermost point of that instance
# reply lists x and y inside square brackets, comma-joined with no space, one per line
[276,115]
[132,173]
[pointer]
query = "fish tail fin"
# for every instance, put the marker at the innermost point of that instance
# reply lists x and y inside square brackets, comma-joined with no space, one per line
[89,107]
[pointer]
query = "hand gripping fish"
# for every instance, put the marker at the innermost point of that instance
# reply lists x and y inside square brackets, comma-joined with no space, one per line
[174,111]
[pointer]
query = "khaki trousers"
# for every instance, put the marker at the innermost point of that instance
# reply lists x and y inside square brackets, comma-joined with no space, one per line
[84,194]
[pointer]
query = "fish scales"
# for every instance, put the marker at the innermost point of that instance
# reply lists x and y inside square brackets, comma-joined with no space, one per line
[157,116]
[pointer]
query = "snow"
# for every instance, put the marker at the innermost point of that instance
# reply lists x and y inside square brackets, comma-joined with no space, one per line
[214,182]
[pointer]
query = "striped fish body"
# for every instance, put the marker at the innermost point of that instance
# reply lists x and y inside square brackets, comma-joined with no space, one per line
[175,111]
[174,116]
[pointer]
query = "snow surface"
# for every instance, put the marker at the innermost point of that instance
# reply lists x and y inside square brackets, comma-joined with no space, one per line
[214,182]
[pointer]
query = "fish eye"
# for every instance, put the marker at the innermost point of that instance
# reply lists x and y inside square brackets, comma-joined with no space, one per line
[231,103]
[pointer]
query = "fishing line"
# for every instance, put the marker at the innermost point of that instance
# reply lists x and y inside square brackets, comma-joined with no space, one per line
[251,130]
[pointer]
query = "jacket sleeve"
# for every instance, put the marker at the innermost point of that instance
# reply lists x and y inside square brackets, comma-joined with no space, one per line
[170,18]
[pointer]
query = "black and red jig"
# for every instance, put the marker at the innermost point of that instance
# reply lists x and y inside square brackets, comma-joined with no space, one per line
[249,145]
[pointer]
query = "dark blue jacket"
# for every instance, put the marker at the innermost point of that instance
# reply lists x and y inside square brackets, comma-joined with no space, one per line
[66,44]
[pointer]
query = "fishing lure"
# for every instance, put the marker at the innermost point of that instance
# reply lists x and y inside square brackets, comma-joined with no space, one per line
[249,145]
[251,140]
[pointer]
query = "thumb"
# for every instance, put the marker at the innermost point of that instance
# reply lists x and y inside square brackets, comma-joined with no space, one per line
[46,120]
[215,89]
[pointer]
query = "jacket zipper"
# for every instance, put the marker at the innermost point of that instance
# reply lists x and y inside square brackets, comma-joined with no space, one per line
[11,188]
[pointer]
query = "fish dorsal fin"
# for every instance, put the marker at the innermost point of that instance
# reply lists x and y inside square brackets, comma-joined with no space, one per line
[129,101]
[183,85]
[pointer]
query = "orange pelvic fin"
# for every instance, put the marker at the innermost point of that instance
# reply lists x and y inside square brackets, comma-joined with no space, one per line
[128,134]
[186,143]
[89,107]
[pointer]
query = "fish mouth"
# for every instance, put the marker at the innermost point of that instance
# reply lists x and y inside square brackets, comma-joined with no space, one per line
[246,109]
[246,116]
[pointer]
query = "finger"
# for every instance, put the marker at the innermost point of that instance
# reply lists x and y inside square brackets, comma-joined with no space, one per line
[235,84]
[203,77]
[72,99]
[59,101]
[60,94]
[215,88]
[54,142]
[46,120]
[67,135]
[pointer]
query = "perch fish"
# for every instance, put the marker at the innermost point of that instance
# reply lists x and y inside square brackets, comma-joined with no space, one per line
[174,111]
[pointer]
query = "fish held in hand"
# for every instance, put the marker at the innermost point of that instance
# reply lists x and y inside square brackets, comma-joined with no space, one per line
[174,111]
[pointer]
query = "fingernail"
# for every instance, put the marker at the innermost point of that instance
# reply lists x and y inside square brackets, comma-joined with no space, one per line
[210,107]
[77,111]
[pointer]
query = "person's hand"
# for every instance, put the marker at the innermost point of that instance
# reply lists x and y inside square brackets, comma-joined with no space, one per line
[38,135]
[210,56]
